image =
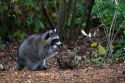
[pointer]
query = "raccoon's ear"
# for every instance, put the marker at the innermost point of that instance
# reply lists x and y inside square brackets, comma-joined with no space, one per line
[50,31]
[55,30]
[47,36]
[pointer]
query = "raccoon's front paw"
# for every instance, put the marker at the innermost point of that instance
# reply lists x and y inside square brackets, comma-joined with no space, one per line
[42,67]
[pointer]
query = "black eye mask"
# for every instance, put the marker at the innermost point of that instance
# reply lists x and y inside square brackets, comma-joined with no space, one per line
[54,41]
[47,36]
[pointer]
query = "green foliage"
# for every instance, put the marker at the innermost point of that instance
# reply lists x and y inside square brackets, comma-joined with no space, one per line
[19,36]
[106,10]
[98,53]
[2,45]
[112,16]
[101,50]
[21,16]
[95,58]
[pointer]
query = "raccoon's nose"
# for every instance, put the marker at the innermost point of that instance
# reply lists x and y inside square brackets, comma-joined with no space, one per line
[61,45]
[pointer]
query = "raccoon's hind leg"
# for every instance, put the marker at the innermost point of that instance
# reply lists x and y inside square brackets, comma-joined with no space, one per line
[32,66]
[40,65]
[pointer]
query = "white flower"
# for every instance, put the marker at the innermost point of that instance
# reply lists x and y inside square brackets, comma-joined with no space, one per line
[84,33]
[90,34]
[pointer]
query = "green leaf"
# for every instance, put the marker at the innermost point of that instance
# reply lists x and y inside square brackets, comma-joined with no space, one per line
[124,32]
[54,14]
[93,44]
[17,33]
[36,30]
[3,9]
[101,50]
[39,24]
[96,60]
[78,20]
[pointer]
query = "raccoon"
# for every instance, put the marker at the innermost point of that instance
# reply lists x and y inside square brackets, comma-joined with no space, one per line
[36,49]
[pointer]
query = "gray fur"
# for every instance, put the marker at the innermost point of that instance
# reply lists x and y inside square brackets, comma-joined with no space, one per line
[34,51]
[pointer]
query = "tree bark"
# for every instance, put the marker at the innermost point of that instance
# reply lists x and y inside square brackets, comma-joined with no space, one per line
[63,15]
[88,7]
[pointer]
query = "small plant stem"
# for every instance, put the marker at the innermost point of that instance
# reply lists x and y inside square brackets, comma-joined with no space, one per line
[55,4]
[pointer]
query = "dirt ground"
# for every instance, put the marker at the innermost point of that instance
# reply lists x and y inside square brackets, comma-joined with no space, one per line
[89,74]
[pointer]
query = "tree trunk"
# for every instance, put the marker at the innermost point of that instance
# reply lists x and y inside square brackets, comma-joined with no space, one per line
[88,6]
[63,15]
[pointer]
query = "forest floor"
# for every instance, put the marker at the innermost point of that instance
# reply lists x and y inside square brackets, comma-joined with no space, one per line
[88,74]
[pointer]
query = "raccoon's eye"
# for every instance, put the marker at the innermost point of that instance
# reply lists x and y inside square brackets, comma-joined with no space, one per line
[54,41]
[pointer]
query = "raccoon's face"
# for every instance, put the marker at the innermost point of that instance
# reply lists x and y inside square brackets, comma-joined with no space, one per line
[53,38]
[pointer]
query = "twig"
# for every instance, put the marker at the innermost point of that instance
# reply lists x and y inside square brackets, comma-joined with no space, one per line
[111,30]
[116,32]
